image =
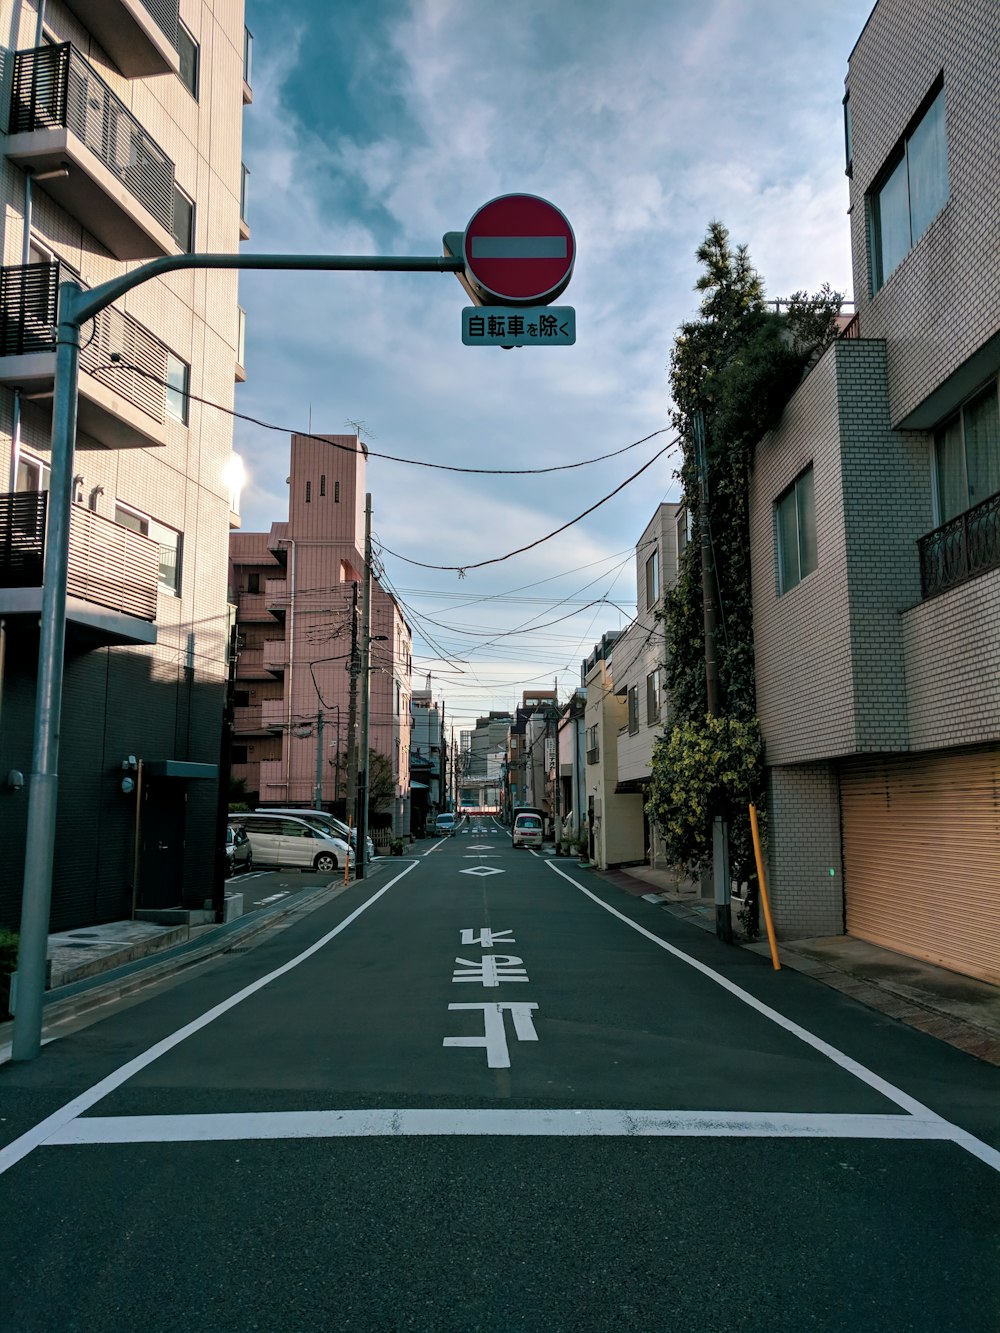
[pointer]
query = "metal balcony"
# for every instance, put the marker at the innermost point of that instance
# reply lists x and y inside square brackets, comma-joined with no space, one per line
[90,153]
[117,407]
[140,36]
[961,549]
[111,587]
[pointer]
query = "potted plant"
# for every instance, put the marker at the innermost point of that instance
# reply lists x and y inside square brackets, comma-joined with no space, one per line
[396,847]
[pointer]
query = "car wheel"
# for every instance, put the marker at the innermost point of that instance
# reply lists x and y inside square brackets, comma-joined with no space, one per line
[325,862]
[249,862]
[230,867]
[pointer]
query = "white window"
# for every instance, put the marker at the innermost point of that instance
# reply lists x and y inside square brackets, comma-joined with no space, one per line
[652,580]
[911,192]
[633,709]
[795,530]
[32,474]
[653,688]
[169,541]
[178,388]
[967,456]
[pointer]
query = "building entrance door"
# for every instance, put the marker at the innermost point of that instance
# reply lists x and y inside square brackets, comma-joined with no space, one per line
[161,843]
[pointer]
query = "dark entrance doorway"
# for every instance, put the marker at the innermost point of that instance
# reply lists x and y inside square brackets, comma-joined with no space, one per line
[161,843]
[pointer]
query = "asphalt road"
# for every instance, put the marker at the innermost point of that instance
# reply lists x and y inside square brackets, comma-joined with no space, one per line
[485,1090]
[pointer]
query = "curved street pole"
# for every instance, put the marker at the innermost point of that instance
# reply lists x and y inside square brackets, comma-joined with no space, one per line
[77,305]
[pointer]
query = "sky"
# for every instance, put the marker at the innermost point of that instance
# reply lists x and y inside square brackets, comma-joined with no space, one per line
[379,125]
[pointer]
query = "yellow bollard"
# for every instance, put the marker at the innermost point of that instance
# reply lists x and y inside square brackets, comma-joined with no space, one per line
[758,857]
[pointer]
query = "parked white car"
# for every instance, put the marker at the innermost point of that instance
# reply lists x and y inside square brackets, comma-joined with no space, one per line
[321,819]
[283,840]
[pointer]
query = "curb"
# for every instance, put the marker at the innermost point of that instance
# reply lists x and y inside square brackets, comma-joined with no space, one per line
[79,997]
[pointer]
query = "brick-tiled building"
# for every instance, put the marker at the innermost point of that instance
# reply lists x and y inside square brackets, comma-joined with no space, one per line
[121,143]
[875,524]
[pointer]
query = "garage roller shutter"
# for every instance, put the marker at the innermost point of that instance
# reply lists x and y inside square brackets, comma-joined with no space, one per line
[922,856]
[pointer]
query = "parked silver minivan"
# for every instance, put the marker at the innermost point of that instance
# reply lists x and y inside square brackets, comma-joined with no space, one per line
[283,840]
[321,819]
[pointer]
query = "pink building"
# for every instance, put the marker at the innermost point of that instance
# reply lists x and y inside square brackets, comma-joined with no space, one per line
[298,592]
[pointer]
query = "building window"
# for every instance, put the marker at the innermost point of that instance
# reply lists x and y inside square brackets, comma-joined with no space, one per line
[309,492]
[238,754]
[187,50]
[633,709]
[911,192]
[169,541]
[244,188]
[322,483]
[336,492]
[848,137]
[795,527]
[253,583]
[247,57]
[183,226]
[241,698]
[32,474]
[652,579]
[178,388]
[967,456]
[241,336]
[593,745]
[683,531]
[653,688]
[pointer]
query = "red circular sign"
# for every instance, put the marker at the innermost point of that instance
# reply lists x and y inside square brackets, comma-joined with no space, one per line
[520,249]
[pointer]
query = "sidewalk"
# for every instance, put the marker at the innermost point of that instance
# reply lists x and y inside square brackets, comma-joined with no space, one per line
[959,1010]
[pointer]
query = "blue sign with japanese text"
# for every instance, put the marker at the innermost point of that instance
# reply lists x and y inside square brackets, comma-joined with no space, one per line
[519,326]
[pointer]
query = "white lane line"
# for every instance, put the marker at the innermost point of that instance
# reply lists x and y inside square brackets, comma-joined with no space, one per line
[990,1156]
[563,1122]
[53,1123]
[439,843]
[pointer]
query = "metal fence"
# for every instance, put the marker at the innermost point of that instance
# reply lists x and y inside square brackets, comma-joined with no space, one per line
[165,16]
[22,539]
[961,548]
[28,295]
[55,86]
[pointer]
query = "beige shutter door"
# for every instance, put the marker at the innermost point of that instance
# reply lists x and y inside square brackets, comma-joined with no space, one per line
[922,856]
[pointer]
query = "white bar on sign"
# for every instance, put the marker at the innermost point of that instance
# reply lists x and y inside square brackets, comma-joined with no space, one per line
[519,247]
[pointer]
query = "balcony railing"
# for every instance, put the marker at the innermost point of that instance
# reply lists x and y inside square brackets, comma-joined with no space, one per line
[961,549]
[109,565]
[55,87]
[28,295]
[164,14]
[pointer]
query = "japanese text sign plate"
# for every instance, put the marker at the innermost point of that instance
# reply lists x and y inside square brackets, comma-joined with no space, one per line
[519,326]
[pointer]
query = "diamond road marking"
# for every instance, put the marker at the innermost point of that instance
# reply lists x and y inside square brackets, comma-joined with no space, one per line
[482,870]
[479,846]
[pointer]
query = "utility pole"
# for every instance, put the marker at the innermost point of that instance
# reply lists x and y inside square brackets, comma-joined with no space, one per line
[720,829]
[225,767]
[318,793]
[352,713]
[366,626]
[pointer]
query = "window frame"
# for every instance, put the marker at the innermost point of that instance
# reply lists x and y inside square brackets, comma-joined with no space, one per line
[192,85]
[150,527]
[653,579]
[654,696]
[182,416]
[633,710]
[959,418]
[41,469]
[793,492]
[185,244]
[900,156]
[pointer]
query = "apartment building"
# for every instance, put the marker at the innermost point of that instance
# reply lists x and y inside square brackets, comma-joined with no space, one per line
[614,819]
[428,790]
[640,664]
[875,524]
[122,143]
[298,593]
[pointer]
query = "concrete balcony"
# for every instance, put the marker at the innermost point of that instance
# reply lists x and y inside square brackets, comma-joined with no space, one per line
[273,785]
[119,407]
[88,152]
[140,36]
[253,607]
[276,656]
[276,598]
[250,665]
[273,714]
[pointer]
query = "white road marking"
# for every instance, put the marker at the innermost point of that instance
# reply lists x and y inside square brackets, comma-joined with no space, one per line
[40,1133]
[482,870]
[961,1137]
[565,1122]
[487,938]
[492,970]
[495,1037]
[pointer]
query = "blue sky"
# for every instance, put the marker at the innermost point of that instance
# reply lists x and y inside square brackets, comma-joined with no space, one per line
[375,128]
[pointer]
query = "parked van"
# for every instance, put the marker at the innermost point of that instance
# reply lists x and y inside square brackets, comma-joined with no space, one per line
[527,831]
[321,819]
[284,840]
[445,823]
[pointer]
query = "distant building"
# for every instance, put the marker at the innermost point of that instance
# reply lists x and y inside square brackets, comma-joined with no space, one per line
[875,525]
[614,822]
[428,793]
[298,594]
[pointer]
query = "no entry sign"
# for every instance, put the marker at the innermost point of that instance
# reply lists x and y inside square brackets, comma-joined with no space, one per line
[519,250]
